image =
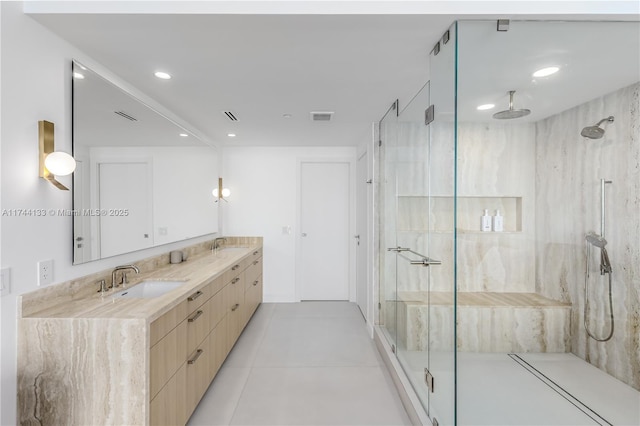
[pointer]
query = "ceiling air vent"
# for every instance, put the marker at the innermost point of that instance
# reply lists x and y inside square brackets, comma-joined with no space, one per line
[321,115]
[125,115]
[231,116]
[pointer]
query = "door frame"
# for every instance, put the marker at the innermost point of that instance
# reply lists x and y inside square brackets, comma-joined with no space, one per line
[351,162]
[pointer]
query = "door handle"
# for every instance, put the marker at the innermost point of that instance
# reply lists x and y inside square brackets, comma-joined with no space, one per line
[304,234]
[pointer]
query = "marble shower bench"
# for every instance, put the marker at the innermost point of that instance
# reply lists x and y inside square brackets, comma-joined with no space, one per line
[487,322]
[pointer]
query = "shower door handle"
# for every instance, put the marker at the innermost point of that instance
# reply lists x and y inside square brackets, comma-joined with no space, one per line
[423,261]
[426,262]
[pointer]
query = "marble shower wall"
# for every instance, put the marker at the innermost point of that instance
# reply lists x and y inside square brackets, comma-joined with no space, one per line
[568,172]
[496,170]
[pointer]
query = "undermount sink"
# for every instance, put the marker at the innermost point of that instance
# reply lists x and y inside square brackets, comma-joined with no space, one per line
[148,289]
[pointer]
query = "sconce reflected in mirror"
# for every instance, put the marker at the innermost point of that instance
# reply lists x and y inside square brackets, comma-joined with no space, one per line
[220,193]
[52,163]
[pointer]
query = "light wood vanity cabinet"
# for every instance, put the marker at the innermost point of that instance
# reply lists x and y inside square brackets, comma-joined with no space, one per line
[87,358]
[191,341]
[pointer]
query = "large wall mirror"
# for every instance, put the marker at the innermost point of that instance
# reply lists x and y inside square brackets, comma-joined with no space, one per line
[141,180]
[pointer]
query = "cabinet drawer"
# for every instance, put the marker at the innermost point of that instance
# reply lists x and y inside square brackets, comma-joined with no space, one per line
[252,298]
[169,405]
[253,271]
[199,297]
[256,254]
[198,326]
[219,347]
[198,378]
[218,308]
[167,322]
[166,357]
[232,272]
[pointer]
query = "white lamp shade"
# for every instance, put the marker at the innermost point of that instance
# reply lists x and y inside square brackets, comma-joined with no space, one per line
[60,163]
[215,192]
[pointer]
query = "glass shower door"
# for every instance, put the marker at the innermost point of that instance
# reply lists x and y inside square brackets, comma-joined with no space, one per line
[426,239]
[387,293]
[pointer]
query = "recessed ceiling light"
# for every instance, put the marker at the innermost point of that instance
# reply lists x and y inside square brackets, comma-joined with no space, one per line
[231,135]
[286,115]
[485,107]
[78,75]
[162,75]
[184,135]
[544,72]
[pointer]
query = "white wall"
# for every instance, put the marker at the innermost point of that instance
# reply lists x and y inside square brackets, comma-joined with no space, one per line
[36,85]
[264,199]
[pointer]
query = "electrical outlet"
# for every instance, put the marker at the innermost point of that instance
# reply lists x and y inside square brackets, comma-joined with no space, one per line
[5,281]
[45,272]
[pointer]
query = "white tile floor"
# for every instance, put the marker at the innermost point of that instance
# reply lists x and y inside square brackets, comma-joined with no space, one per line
[309,363]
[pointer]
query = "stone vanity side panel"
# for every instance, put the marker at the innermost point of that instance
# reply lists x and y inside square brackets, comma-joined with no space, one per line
[569,169]
[55,358]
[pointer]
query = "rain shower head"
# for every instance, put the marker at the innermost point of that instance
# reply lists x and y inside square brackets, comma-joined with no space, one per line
[511,113]
[596,240]
[596,132]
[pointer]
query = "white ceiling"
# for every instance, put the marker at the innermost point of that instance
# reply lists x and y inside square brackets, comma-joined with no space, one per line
[263,66]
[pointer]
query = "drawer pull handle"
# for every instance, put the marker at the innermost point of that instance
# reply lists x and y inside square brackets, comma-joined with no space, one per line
[194,296]
[235,306]
[195,317]
[256,262]
[195,357]
[256,252]
[256,282]
[235,267]
[235,280]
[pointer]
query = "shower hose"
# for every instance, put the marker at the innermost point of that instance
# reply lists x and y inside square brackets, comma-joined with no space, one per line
[586,301]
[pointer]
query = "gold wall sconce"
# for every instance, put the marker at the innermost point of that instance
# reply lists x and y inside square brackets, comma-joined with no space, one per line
[52,163]
[220,193]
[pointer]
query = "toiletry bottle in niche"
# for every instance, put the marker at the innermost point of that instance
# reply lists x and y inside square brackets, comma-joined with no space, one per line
[485,224]
[498,222]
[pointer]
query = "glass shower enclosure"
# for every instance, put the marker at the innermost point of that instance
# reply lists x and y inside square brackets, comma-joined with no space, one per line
[417,234]
[498,285]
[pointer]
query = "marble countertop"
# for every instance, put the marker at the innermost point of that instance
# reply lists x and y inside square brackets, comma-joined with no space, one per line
[197,271]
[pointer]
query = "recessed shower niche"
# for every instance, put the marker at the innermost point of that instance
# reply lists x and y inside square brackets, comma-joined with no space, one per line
[418,216]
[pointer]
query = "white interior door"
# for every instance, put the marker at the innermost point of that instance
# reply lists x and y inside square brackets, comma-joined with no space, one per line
[125,205]
[324,238]
[361,234]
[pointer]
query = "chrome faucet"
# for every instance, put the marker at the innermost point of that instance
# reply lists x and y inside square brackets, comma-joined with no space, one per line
[216,244]
[124,275]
